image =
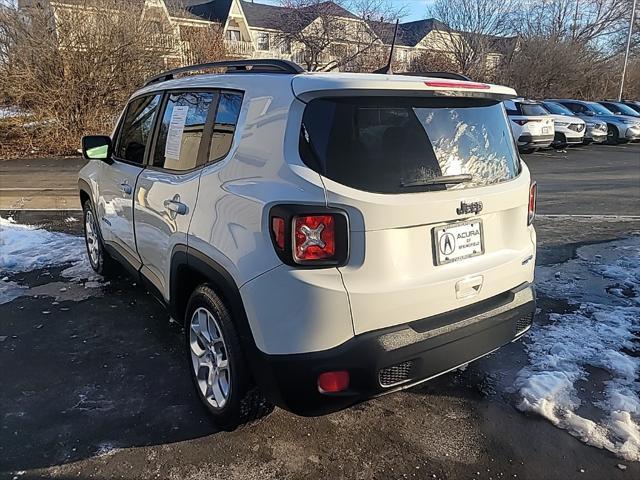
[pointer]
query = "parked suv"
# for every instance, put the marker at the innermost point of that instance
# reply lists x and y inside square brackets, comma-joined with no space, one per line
[531,124]
[620,128]
[619,108]
[569,129]
[325,238]
[595,132]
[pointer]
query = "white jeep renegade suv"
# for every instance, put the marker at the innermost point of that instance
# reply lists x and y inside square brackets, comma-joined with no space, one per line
[325,237]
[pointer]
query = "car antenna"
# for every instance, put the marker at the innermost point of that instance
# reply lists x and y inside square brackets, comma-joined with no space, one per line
[387,68]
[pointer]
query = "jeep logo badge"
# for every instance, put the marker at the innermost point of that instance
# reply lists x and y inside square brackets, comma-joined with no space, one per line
[471,207]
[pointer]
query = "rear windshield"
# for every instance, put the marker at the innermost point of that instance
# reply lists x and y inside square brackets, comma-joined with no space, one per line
[404,145]
[532,109]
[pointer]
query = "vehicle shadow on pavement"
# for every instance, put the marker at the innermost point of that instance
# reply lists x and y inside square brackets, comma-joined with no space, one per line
[80,379]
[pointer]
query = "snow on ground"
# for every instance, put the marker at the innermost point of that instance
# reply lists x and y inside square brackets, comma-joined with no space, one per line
[24,248]
[603,284]
[10,112]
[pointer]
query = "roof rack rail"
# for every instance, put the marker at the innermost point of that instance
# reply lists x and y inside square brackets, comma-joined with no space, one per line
[234,66]
[447,75]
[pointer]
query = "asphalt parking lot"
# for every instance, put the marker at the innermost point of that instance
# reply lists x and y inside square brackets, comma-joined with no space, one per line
[94,381]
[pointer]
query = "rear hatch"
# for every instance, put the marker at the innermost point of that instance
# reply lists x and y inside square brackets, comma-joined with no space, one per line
[533,119]
[436,195]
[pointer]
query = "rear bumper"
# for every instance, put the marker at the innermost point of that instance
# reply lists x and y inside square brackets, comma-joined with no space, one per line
[528,140]
[394,358]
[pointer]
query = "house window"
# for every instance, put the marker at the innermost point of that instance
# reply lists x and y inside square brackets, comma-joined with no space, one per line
[285,46]
[155,26]
[263,41]
[233,35]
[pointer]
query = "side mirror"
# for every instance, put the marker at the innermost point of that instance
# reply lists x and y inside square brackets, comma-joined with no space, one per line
[589,113]
[96,147]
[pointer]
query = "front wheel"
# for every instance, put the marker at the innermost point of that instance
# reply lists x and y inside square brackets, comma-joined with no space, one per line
[612,135]
[99,259]
[218,365]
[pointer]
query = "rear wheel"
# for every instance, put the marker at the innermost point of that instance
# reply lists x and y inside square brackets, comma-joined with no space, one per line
[218,366]
[99,259]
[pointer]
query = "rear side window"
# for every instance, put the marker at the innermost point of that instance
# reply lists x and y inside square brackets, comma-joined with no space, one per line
[136,128]
[403,145]
[181,133]
[225,124]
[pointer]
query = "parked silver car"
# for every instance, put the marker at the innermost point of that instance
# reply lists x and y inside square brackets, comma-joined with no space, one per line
[620,128]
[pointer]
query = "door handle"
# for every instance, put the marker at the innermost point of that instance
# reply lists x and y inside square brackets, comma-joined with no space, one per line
[126,188]
[174,205]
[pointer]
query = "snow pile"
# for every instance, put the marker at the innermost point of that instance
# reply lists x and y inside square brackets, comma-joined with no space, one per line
[604,284]
[24,248]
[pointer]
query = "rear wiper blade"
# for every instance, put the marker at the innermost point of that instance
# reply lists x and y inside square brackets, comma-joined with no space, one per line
[442,180]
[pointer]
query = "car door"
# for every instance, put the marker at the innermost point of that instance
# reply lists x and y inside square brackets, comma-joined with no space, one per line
[118,180]
[167,189]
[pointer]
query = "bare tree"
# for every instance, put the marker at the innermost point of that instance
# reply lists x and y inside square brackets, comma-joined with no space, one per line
[203,44]
[73,68]
[583,21]
[470,30]
[569,48]
[327,36]
[433,61]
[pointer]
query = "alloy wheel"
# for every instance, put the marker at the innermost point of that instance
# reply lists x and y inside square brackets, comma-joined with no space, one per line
[209,358]
[91,235]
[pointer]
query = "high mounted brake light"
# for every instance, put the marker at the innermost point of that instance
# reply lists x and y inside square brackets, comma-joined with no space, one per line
[454,84]
[308,236]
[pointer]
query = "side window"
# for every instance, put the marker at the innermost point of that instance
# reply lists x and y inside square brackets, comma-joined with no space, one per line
[575,107]
[181,134]
[225,124]
[136,128]
[510,107]
[263,41]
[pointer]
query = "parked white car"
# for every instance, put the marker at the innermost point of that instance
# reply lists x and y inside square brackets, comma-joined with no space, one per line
[595,130]
[568,129]
[323,237]
[531,124]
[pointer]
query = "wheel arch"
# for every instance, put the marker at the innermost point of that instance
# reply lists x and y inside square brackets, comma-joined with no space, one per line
[191,268]
[84,189]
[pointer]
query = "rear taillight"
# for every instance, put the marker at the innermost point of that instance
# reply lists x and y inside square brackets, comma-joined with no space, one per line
[277,227]
[533,194]
[309,236]
[521,122]
[314,237]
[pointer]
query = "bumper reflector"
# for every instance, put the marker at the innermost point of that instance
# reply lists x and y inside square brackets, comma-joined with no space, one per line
[333,382]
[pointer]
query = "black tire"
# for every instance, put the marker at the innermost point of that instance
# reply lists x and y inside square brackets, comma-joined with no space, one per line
[244,402]
[612,135]
[559,142]
[527,150]
[101,262]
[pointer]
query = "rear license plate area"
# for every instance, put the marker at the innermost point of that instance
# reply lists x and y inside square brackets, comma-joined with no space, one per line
[458,241]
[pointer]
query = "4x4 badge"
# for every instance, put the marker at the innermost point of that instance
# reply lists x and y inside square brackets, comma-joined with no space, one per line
[466,208]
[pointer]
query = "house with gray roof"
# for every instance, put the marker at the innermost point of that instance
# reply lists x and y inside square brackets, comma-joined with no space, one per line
[257,30]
